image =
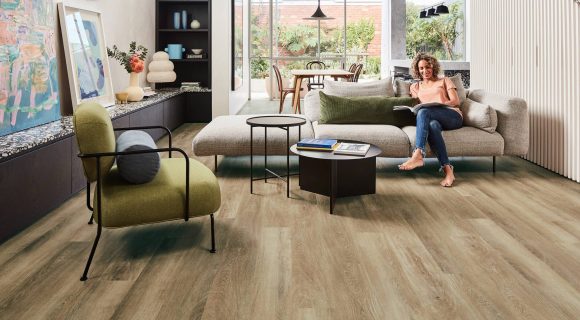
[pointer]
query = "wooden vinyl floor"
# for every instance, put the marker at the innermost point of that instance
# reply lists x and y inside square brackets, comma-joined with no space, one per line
[503,246]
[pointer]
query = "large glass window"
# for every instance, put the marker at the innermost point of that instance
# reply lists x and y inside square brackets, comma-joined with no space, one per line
[280,36]
[442,36]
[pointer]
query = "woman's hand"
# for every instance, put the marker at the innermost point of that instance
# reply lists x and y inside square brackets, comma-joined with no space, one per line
[453,98]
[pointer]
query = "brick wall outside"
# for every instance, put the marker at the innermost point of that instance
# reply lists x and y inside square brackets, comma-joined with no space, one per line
[293,14]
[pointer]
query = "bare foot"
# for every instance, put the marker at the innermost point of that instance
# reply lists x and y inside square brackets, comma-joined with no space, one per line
[411,164]
[449,177]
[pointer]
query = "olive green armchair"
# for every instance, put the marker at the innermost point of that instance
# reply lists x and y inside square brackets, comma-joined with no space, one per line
[182,188]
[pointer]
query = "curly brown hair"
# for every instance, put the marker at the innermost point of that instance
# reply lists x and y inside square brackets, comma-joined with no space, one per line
[427,57]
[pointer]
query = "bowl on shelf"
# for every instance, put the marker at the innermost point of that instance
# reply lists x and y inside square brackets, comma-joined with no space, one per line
[197,51]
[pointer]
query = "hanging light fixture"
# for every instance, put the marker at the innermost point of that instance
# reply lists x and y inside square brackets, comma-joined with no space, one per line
[434,11]
[318,15]
[431,13]
[442,9]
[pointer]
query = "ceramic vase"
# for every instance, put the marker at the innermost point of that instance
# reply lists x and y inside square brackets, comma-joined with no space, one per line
[195,24]
[134,91]
[176,20]
[184,19]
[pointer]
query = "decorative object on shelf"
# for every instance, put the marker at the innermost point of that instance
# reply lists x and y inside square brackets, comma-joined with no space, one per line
[195,24]
[121,97]
[197,51]
[86,56]
[175,51]
[161,69]
[28,67]
[184,19]
[318,15]
[133,62]
[434,10]
[176,20]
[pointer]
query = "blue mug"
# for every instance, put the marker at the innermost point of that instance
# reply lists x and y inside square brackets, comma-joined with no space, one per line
[175,51]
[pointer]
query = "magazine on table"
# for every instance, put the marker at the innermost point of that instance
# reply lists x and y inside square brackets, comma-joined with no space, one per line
[317,144]
[419,106]
[353,149]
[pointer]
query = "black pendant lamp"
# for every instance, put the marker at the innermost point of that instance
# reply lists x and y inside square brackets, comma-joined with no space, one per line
[431,13]
[318,15]
[434,11]
[442,9]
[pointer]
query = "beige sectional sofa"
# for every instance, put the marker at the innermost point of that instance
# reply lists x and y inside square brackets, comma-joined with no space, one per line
[229,135]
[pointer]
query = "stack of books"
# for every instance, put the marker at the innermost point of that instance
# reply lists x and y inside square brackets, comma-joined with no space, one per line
[317,144]
[189,85]
[196,56]
[353,149]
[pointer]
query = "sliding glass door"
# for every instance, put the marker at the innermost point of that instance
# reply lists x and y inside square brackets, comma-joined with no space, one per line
[280,36]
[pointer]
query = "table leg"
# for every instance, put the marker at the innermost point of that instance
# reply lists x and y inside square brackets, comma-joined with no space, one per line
[265,154]
[251,159]
[296,98]
[333,184]
[287,162]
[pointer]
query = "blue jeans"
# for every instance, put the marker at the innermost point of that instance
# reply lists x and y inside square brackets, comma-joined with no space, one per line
[430,123]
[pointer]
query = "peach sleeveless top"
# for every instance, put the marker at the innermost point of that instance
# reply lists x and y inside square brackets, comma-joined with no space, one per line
[436,93]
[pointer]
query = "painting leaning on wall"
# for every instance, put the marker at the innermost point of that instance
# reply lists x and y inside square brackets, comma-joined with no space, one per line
[28,67]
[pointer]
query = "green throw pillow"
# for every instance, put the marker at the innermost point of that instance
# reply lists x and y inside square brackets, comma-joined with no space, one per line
[365,110]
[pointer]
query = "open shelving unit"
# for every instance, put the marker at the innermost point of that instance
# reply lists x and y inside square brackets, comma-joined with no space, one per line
[187,70]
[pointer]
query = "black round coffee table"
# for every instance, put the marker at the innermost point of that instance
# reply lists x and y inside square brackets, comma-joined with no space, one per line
[281,122]
[335,175]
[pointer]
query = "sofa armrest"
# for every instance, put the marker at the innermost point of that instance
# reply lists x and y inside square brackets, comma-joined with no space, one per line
[512,119]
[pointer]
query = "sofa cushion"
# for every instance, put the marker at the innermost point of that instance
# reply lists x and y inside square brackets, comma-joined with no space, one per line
[461,92]
[392,140]
[346,89]
[230,136]
[365,110]
[465,141]
[137,168]
[382,87]
[402,88]
[479,115]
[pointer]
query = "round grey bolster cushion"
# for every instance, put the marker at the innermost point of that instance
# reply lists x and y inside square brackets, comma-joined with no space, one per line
[137,168]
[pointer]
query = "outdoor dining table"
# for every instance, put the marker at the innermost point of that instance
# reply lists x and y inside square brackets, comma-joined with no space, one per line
[300,74]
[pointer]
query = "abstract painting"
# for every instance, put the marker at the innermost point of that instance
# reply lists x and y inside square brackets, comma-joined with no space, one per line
[28,67]
[86,56]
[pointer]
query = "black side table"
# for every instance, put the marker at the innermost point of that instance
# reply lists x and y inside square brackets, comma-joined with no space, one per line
[281,122]
[337,175]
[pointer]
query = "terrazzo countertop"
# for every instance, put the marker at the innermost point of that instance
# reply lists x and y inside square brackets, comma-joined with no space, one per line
[19,142]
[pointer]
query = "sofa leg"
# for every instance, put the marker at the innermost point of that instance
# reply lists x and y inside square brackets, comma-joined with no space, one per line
[493,164]
[212,234]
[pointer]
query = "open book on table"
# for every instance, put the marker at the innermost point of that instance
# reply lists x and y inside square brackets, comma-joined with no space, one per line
[419,106]
[353,149]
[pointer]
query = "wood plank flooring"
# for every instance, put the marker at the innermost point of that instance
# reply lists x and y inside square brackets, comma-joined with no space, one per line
[503,246]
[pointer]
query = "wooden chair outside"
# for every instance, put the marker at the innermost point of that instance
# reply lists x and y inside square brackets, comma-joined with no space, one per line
[283,91]
[316,81]
[357,71]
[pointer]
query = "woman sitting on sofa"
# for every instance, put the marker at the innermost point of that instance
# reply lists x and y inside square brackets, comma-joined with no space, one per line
[432,120]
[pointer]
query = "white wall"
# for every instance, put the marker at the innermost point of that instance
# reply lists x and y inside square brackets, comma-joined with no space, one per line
[123,22]
[225,101]
[531,49]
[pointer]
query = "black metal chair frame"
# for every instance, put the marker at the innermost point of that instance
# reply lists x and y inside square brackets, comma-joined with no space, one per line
[319,82]
[98,157]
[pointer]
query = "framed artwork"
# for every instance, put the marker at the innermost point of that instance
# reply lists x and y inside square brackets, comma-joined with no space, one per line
[28,69]
[237,44]
[85,53]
